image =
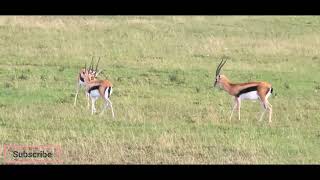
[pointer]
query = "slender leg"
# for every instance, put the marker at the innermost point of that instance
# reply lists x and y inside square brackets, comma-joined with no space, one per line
[106,104]
[75,98]
[238,105]
[234,106]
[88,99]
[264,106]
[270,111]
[77,92]
[111,107]
[93,108]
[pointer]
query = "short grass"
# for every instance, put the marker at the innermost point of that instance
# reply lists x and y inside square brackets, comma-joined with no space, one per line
[162,68]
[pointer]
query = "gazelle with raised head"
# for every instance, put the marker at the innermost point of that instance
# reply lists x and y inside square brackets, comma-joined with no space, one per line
[242,91]
[98,88]
[80,80]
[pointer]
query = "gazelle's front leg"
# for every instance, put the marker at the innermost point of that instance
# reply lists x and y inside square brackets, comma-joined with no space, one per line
[238,107]
[88,99]
[77,92]
[264,108]
[234,106]
[93,108]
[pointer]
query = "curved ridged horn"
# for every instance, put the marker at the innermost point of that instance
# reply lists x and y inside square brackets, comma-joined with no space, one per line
[218,67]
[91,65]
[223,61]
[97,65]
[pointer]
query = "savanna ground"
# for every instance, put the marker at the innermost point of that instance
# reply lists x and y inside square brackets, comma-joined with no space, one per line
[162,68]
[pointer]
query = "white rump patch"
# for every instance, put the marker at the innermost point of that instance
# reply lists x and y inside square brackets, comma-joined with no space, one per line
[106,93]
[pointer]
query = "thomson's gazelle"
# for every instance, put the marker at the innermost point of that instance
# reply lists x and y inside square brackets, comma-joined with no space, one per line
[242,91]
[80,80]
[98,88]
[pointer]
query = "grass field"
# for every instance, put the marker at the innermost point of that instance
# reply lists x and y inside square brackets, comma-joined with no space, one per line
[162,68]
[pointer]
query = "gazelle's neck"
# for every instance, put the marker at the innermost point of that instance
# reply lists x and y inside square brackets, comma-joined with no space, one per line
[226,85]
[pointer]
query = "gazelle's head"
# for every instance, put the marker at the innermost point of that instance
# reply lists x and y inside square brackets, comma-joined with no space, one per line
[220,78]
[87,75]
[90,73]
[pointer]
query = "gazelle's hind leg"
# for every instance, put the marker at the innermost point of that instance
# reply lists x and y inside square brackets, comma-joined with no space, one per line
[107,100]
[264,110]
[270,111]
[266,106]
[110,104]
[106,104]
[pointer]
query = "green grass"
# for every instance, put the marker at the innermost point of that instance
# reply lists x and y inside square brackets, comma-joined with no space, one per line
[162,68]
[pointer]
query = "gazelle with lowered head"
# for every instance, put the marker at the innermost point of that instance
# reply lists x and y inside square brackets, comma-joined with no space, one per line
[98,88]
[242,91]
[80,80]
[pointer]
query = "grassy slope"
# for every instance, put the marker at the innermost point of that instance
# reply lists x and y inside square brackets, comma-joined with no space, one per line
[162,69]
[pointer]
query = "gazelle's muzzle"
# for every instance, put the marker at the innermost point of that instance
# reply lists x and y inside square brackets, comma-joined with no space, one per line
[215,84]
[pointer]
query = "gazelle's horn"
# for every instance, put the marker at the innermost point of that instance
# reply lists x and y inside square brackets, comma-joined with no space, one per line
[223,61]
[99,72]
[222,65]
[91,65]
[218,67]
[97,65]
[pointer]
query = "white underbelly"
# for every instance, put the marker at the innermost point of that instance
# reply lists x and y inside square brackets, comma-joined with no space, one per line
[94,93]
[252,95]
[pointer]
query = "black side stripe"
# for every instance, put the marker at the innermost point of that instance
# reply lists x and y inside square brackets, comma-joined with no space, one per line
[81,78]
[249,89]
[93,88]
